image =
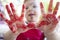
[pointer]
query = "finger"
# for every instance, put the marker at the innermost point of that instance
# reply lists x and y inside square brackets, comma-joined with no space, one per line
[12,7]
[22,15]
[13,11]
[42,8]
[56,8]
[6,20]
[52,19]
[9,12]
[1,16]
[13,28]
[23,8]
[43,23]
[50,6]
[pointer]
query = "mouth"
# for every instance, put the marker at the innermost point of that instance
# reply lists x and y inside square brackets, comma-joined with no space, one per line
[31,14]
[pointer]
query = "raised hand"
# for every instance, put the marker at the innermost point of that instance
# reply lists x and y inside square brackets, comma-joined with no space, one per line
[15,21]
[49,19]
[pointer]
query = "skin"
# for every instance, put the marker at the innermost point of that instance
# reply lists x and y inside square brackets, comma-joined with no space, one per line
[31,9]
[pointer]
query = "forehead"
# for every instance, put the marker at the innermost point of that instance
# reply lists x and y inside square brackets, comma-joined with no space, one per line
[30,2]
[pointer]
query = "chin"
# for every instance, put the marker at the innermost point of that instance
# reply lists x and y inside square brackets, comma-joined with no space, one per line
[32,21]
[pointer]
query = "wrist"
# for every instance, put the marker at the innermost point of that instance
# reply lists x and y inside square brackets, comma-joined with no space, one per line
[51,36]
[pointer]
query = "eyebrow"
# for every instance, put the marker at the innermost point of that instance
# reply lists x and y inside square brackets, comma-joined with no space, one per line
[32,3]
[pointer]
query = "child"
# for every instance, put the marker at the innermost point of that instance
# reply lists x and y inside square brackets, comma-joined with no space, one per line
[31,16]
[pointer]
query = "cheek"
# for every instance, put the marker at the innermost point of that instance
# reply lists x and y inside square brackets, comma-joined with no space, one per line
[26,16]
[36,14]
[36,11]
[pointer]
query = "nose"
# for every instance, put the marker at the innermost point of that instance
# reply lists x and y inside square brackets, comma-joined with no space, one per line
[30,9]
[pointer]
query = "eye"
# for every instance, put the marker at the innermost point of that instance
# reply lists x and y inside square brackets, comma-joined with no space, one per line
[34,6]
[27,7]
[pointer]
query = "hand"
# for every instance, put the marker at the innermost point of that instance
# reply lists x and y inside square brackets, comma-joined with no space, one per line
[49,20]
[15,21]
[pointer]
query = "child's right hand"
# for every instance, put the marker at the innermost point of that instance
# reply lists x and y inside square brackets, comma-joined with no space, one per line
[15,21]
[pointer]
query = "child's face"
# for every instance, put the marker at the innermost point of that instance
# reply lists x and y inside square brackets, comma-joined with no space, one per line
[32,10]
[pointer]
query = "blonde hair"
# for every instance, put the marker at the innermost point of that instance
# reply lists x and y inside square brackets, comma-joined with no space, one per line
[31,0]
[25,1]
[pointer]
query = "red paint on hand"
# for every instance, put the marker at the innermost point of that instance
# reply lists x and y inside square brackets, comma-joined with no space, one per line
[31,25]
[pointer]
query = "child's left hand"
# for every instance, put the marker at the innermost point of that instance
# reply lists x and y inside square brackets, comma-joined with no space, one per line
[49,21]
